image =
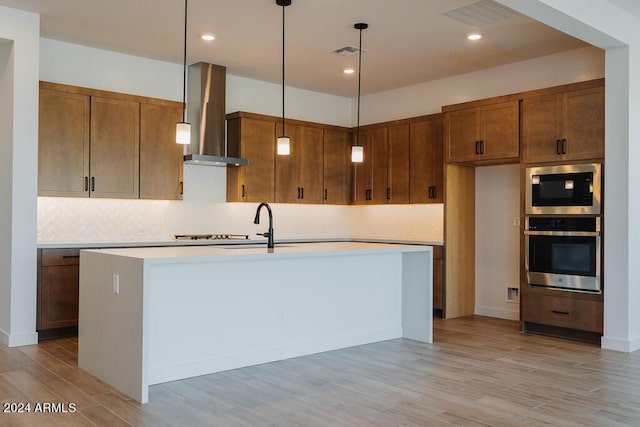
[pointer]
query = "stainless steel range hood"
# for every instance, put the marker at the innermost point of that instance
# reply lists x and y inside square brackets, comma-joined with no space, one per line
[206,113]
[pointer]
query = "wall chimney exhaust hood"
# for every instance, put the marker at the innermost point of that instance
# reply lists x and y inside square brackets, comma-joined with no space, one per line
[206,112]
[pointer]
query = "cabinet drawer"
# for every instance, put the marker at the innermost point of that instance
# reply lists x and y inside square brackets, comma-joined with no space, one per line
[562,311]
[51,257]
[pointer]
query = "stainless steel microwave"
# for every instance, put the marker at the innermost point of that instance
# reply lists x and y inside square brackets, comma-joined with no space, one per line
[563,190]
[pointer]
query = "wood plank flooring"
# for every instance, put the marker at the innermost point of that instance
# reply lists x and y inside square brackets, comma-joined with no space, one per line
[479,371]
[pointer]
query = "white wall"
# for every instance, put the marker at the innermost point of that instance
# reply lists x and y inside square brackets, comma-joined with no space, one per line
[427,98]
[203,209]
[497,240]
[608,26]
[18,172]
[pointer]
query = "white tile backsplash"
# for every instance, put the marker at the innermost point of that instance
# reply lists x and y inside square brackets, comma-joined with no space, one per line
[204,210]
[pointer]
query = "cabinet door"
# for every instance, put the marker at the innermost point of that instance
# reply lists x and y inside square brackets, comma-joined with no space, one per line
[462,131]
[398,167]
[438,282]
[115,148]
[299,174]
[257,139]
[337,166]
[583,124]
[63,144]
[288,167]
[499,124]
[160,157]
[311,165]
[426,162]
[370,176]
[541,129]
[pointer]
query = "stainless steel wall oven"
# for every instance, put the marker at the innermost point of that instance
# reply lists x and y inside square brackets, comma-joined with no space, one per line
[563,252]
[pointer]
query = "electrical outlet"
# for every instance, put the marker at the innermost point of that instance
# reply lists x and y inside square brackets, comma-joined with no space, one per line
[516,221]
[513,295]
[116,283]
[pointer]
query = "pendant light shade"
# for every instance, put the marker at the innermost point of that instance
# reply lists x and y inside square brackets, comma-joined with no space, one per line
[357,154]
[357,150]
[183,129]
[284,146]
[284,143]
[183,133]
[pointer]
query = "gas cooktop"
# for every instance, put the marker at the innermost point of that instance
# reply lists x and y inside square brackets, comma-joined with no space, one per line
[211,236]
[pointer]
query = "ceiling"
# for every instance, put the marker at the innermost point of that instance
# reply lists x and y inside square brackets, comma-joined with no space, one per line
[407,42]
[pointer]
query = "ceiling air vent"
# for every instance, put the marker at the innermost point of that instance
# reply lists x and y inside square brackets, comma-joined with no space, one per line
[348,51]
[480,13]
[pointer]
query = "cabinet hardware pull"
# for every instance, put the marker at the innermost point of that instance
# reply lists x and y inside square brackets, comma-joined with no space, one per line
[558,148]
[70,256]
[388,193]
[564,146]
[181,188]
[93,183]
[86,183]
[430,192]
[477,143]
[566,313]
[302,193]
[242,190]
[325,194]
[482,146]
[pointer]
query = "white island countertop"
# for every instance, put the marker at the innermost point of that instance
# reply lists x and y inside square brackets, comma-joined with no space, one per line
[157,314]
[189,254]
[89,244]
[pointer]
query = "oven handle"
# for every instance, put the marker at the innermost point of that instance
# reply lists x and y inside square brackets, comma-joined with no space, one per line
[562,233]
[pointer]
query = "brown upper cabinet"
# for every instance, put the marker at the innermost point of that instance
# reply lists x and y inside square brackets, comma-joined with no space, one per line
[251,137]
[426,164]
[299,175]
[482,133]
[115,138]
[161,170]
[398,164]
[568,125]
[370,176]
[63,144]
[337,167]
[90,144]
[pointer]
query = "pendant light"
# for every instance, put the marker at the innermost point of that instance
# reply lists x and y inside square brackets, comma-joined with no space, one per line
[283,143]
[357,150]
[183,129]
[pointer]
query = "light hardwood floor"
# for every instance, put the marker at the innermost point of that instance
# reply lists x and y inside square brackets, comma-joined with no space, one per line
[479,371]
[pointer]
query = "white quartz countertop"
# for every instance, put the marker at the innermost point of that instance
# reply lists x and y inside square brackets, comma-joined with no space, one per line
[229,252]
[176,243]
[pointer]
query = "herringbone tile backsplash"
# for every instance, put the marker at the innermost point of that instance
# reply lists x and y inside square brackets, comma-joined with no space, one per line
[204,210]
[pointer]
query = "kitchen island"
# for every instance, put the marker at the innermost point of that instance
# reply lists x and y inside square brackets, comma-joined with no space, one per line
[152,315]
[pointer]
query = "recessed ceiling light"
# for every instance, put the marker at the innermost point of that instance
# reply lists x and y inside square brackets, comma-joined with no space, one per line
[208,37]
[349,71]
[474,36]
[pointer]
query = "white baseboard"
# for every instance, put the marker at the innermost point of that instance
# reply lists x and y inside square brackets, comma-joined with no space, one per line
[499,313]
[620,344]
[17,340]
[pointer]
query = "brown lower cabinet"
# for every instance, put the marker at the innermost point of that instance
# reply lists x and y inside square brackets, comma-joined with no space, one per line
[438,281]
[569,314]
[58,283]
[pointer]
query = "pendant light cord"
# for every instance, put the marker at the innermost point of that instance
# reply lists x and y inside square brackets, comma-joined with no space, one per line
[283,6]
[184,67]
[359,74]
